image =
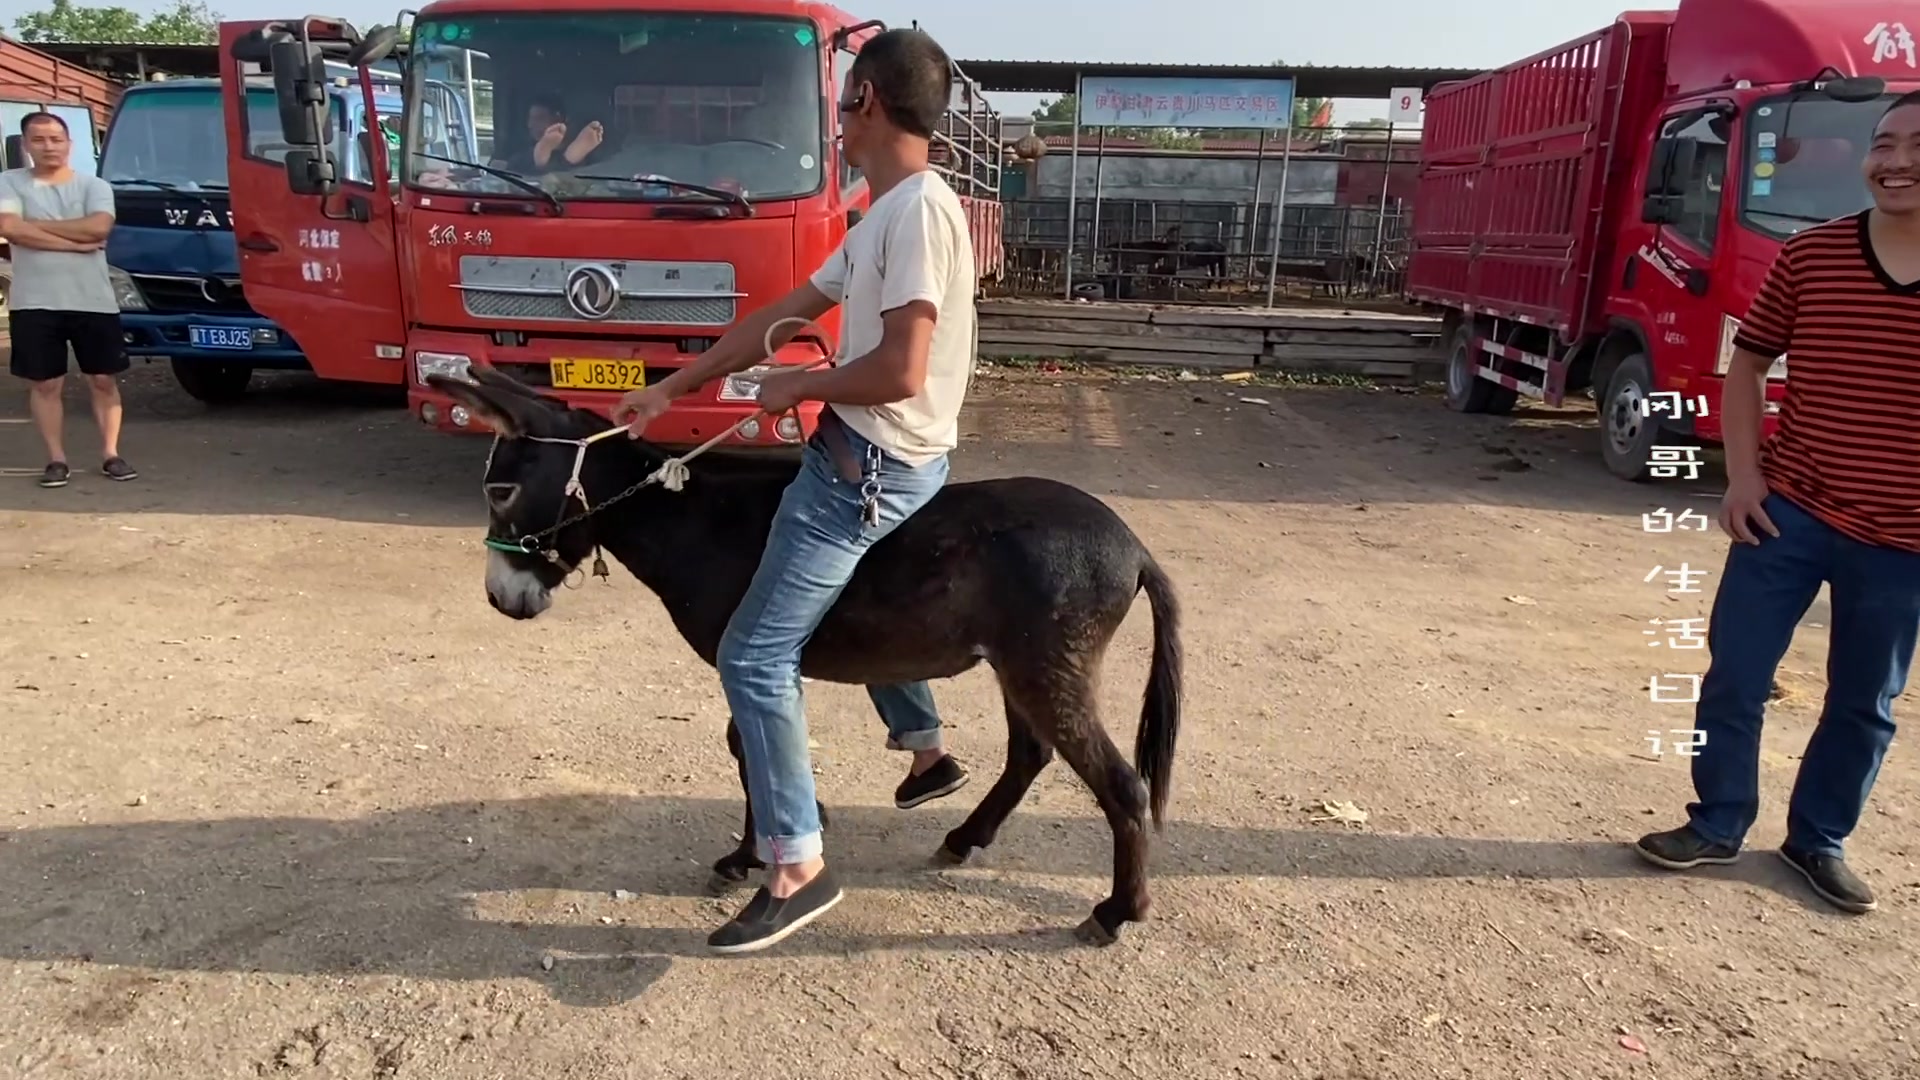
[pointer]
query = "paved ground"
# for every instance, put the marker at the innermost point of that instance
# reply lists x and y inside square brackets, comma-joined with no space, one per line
[283,796]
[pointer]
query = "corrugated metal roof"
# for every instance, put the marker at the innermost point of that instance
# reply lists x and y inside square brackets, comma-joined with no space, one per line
[1091,65]
[1003,76]
[1310,80]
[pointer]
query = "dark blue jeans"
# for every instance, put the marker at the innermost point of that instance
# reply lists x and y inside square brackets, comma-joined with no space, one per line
[1764,592]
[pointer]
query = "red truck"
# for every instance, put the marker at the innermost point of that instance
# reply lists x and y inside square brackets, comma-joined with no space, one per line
[1600,215]
[715,187]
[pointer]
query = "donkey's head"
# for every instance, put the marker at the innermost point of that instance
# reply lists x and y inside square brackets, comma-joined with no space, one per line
[538,534]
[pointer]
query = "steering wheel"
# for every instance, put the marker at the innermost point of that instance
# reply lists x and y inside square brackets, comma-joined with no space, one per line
[768,143]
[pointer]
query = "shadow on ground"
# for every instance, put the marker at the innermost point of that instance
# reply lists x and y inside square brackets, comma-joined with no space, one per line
[395,893]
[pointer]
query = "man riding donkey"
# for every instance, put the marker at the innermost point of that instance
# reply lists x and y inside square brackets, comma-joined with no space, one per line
[905,276]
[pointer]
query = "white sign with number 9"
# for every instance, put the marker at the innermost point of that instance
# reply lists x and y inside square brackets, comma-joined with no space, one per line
[1406,105]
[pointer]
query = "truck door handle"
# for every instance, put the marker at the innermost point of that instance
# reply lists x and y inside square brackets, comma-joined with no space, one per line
[256,242]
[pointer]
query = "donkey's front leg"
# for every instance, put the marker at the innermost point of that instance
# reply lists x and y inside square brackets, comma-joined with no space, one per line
[732,868]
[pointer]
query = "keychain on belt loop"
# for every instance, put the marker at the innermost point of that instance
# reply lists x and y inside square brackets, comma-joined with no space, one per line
[870,488]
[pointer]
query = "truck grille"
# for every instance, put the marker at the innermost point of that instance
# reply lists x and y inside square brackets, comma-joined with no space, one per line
[694,311]
[657,293]
[170,293]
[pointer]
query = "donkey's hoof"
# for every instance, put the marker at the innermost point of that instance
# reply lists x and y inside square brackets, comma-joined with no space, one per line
[1092,933]
[946,856]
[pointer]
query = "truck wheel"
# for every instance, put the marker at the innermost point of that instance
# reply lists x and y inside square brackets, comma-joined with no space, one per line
[213,383]
[1627,438]
[1467,392]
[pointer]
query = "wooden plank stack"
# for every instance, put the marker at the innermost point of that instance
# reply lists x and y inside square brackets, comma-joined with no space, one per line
[1290,340]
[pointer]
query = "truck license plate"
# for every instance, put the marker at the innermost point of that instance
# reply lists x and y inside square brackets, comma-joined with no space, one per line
[220,337]
[598,374]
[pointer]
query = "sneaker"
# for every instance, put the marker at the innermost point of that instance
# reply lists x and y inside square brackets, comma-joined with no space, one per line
[116,468]
[1829,876]
[766,922]
[55,474]
[944,778]
[1684,849]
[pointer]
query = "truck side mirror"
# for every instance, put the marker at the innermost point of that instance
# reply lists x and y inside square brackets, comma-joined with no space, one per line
[1672,166]
[300,89]
[845,33]
[311,171]
[16,153]
[1668,176]
[1660,210]
[306,116]
[380,43]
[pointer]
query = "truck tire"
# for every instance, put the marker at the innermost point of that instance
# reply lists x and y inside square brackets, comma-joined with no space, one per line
[1626,437]
[1467,392]
[211,382]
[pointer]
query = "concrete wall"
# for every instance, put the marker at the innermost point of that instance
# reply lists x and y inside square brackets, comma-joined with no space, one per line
[1179,178]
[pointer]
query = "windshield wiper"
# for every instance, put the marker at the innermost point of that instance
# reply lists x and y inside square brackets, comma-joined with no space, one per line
[173,189]
[734,197]
[198,194]
[513,178]
[1790,215]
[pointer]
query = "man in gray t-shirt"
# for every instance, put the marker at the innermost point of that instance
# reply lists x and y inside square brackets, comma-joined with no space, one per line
[56,221]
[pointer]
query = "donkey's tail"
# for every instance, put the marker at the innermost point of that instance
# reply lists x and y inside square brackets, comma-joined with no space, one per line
[1160,711]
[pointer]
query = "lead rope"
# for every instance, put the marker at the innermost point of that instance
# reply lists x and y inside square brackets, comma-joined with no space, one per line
[673,473]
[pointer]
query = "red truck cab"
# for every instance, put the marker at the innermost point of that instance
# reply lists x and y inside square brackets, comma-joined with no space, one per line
[1599,216]
[712,184]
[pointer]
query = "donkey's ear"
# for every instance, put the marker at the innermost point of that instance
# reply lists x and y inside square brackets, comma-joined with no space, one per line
[511,415]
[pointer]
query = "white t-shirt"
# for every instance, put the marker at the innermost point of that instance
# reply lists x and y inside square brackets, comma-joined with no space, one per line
[912,245]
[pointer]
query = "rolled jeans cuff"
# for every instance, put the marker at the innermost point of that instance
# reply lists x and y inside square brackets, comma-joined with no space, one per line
[786,850]
[915,741]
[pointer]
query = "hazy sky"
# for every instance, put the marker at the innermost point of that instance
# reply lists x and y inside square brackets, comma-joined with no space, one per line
[1414,33]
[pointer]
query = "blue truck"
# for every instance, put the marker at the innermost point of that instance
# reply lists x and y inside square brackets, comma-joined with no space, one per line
[175,263]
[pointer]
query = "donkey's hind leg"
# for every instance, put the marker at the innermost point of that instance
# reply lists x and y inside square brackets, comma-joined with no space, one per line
[1026,757]
[1066,714]
[732,868]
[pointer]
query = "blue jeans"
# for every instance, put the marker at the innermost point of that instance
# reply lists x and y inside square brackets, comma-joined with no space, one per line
[1763,594]
[818,536]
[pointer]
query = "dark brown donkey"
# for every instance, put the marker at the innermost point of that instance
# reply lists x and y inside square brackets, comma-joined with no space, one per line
[1030,575]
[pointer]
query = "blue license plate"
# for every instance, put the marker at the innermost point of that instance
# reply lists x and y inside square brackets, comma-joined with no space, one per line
[220,337]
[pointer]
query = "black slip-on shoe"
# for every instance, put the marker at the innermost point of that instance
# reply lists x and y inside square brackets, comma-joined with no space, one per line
[766,922]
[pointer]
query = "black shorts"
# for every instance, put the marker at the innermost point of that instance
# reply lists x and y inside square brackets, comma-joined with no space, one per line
[41,339]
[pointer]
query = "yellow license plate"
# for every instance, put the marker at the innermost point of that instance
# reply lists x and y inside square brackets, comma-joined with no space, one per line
[598,374]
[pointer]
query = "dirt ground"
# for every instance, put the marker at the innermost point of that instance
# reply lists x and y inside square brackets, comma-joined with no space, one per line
[282,795]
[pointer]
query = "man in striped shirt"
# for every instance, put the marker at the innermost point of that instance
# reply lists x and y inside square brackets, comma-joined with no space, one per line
[1834,497]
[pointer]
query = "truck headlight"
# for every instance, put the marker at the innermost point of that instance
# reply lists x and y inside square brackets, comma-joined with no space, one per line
[125,292]
[745,385]
[448,365]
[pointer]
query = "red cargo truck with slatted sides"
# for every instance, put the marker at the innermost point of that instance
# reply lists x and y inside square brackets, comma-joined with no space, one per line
[1597,217]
